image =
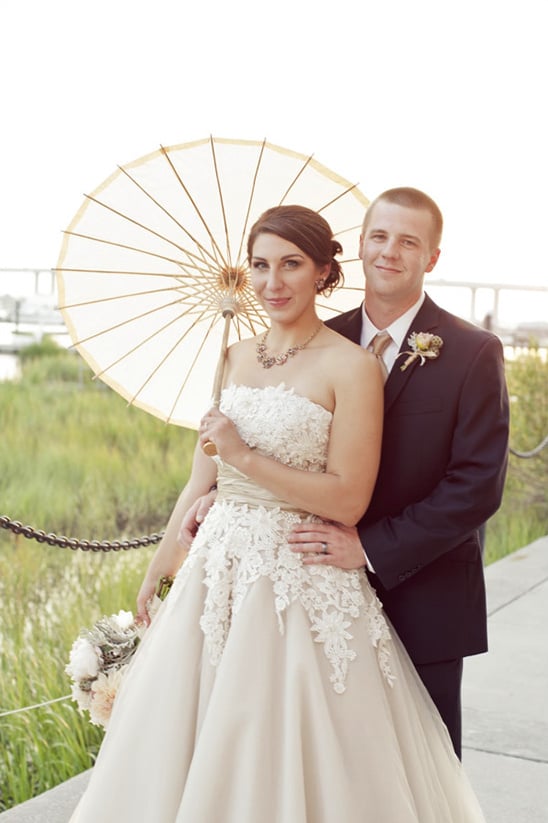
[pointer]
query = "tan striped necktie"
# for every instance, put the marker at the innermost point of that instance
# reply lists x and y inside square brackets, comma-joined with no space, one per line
[378,345]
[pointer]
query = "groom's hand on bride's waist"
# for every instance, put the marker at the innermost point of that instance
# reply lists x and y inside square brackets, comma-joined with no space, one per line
[328,544]
[194,516]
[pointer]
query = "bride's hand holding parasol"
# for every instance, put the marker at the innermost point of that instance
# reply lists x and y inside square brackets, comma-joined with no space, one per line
[217,429]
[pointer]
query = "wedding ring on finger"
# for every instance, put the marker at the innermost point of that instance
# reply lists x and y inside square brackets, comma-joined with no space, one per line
[324,548]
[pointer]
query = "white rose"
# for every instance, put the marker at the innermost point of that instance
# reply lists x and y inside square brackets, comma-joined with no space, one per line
[123,619]
[84,661]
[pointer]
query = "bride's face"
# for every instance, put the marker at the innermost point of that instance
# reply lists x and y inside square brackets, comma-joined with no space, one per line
[284,278]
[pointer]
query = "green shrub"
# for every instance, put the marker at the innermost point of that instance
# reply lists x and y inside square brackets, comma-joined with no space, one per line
[523,516]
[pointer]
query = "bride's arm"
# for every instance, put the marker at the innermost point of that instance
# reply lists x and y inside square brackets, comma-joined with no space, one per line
[343,492]
[171,552]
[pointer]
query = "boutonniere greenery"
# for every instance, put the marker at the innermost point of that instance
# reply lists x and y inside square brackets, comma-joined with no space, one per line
[424,346]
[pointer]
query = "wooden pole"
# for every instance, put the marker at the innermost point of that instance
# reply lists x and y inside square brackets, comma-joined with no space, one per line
[209,448]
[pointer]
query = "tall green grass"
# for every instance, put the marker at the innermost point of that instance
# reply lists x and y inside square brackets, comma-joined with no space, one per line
[47,596]
[74,459]
[523,515]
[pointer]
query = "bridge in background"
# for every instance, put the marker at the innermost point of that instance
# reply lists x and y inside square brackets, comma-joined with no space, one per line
[496,290]
[30,296]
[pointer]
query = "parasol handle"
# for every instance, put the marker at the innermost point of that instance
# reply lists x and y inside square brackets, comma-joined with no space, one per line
[210,448]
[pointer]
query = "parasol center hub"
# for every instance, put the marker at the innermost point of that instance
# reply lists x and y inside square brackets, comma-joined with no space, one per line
[233,278]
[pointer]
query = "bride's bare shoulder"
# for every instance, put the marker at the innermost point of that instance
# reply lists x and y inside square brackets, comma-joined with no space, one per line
[342,347]
[240,360]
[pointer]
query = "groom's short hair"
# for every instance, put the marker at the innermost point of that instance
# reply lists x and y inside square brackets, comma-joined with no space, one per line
[411,199]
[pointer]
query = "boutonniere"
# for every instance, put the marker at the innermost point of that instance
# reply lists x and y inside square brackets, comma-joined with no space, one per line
[424,347]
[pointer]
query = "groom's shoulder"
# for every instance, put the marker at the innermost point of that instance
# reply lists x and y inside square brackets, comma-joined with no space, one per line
[463,334]
[342,323]
[461,327]
[458,325]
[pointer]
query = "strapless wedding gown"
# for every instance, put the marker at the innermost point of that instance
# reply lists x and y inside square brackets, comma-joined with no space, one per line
[266,691]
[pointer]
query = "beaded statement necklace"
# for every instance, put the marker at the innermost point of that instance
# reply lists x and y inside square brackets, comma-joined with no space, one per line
[267,361]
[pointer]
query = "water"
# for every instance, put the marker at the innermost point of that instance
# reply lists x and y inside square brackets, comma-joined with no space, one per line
[9,366]
[11,337]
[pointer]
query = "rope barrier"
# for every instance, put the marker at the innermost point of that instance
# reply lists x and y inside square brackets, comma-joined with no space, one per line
[116,545]
[533,452]
[72,543]
[36,706]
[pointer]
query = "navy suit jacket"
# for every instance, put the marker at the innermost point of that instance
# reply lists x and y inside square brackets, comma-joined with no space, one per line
[441,476]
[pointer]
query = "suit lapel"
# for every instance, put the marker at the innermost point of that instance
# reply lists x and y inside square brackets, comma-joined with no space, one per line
[426,320]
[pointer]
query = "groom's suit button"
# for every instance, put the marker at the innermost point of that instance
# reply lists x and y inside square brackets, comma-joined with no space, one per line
[406,575]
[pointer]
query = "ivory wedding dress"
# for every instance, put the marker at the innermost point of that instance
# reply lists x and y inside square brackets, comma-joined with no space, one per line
[266,691]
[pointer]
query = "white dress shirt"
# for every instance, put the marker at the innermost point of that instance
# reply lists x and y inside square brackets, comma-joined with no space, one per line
[396,330]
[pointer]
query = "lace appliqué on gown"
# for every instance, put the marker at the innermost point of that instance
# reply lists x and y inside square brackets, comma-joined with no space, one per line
[241,541]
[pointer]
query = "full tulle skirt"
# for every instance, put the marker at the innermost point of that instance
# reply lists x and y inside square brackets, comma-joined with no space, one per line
[261,735]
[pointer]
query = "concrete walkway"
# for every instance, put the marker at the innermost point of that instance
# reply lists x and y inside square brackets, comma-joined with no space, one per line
[504,705]
[505,694]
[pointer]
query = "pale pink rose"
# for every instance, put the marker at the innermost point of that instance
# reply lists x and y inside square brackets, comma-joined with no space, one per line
[104,690]
[81,697]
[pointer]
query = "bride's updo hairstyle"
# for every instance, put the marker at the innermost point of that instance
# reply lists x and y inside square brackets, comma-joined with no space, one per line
[307,230]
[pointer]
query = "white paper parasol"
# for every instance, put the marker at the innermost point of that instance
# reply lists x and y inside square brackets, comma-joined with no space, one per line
[156,255]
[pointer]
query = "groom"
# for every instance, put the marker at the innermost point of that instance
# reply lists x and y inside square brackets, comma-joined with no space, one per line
[443,456]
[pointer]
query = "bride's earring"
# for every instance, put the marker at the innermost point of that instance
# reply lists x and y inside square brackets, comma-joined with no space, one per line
[319,285]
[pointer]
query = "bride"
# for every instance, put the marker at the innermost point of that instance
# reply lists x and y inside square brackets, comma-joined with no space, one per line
[268,687]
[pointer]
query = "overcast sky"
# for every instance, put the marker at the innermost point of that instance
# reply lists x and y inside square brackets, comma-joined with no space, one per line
[447,97]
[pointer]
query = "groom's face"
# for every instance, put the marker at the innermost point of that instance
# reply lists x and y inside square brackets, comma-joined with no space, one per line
[396,251]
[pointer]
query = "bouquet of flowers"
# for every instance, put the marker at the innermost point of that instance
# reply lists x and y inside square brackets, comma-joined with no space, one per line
[100,656]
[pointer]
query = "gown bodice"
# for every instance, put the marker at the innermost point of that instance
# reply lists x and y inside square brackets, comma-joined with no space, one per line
[278,423]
